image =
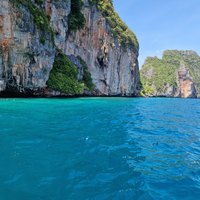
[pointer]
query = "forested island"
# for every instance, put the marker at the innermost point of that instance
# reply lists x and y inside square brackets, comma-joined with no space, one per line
[177,74]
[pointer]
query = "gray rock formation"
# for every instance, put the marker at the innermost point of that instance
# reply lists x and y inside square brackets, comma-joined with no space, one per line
[114,70]
[187,88]
[25,63]
[75,61]
[149,73]
[185,84]
[171,79]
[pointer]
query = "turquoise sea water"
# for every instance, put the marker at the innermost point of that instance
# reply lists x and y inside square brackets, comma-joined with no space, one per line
[99,148]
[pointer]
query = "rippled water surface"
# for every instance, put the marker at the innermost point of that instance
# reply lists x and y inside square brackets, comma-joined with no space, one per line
[99,148]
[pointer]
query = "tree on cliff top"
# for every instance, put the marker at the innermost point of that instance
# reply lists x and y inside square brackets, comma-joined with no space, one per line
[118,28]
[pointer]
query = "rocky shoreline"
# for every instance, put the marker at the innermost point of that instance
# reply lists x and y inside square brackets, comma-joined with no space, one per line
[51,93]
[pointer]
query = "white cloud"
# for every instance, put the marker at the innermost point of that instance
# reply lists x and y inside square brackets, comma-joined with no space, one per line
[158,52]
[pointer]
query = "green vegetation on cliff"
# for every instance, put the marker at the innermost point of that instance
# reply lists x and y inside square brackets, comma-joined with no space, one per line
[63,77]
[160,72]
[163,72]
[87,79]
[147,90]
[118,28]
[37,14]
[76,18]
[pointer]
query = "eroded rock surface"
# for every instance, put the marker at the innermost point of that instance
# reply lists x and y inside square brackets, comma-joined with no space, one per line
[187,88]
[149,73]
[25,62]
[75,61]
[114,70]
[185,84]
[175,75]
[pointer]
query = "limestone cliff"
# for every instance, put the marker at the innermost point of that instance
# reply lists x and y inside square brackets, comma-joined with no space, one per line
[25,62]
[173,75]
[186,83]
[114,69]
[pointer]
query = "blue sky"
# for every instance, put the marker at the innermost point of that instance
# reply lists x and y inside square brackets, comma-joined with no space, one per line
[162,24]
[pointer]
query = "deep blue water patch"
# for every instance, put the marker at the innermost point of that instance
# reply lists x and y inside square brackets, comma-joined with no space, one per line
[99,148]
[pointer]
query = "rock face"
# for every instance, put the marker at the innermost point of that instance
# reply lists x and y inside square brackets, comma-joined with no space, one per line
[149,73]
[186,82]
[185,85]
[114,70]
[169,80]
[75,61]
[25,63]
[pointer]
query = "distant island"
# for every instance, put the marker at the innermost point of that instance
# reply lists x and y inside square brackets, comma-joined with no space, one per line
[177,74]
